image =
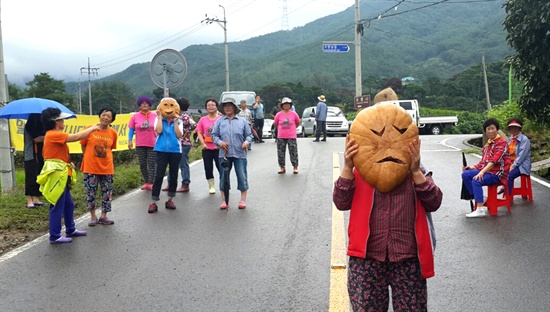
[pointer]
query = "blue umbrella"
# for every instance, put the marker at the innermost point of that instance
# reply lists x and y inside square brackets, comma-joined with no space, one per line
[21,109]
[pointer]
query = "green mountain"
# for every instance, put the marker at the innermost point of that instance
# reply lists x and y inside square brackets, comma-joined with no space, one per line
[420,39]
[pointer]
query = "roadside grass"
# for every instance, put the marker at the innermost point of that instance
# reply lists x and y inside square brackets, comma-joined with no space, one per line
[19,224]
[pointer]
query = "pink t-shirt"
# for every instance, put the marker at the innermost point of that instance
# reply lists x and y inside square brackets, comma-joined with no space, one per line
[286,124]
[144,129]
[205,127]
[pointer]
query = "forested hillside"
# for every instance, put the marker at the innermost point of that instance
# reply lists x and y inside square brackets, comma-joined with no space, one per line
[437,41]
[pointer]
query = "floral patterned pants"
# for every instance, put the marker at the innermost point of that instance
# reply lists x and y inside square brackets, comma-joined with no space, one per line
[292,150]
[91,183]
[368,282]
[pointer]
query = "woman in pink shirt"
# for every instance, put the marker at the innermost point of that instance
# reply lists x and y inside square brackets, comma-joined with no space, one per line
[286,122]
[210,151]
[141,123]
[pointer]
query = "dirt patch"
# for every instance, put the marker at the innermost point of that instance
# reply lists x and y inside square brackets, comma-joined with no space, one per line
[10,240]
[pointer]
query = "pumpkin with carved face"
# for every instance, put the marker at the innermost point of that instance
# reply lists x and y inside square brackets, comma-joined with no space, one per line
[383,133]
[169,108]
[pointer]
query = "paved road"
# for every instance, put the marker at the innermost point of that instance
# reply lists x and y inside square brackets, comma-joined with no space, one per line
[275,255]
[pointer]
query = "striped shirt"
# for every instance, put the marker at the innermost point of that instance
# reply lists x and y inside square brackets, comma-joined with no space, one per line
[392,221]
[234,131]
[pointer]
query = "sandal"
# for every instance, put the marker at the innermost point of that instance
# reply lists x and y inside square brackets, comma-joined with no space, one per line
[282,170]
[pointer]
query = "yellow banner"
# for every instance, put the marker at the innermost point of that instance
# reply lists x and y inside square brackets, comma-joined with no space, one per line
[74,125]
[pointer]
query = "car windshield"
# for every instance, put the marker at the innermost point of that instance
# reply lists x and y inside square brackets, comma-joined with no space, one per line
[335,112]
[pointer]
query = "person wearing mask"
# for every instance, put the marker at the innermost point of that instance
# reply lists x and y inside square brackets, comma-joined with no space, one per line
[34,143]
[141,124]
[210,151]
[258,109]
[321,119]
[58,173]
[286,122]
[233,135]
[519,146]
[98,166]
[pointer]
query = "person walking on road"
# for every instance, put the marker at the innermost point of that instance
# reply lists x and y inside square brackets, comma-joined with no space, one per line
[321,119]
[286,122]
[246,114]
[34,143]
[98,166]
[168,148]
[58,173]
[390,241]
[141,124]
[210,152]
[259,112]
[233,135]
[491,169]
[519,146]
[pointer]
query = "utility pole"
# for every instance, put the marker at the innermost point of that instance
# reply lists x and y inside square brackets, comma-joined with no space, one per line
[7,166]
[357,42]
[486,83]
[91,71]
[223,24]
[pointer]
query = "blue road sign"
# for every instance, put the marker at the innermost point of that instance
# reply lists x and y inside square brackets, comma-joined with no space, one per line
[335,48]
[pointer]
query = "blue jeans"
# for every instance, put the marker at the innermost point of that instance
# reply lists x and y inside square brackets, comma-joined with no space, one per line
[240,170]
[475,187]
[63,208]
[184,164]
[512,175]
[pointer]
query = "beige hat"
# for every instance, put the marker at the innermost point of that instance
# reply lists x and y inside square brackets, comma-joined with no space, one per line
[322,98]
[63,115]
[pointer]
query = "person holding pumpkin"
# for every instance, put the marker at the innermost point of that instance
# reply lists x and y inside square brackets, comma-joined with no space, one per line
[141,124]
[390,196]
[168,127]
[286,122]
[491,169]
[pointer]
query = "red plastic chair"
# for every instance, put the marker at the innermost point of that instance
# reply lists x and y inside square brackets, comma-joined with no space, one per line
[525,190]
[493,201]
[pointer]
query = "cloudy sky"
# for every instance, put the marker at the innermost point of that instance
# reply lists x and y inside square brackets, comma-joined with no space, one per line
[58,36]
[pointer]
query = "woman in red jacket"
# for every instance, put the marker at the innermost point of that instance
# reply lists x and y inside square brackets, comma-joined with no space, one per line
[391,240]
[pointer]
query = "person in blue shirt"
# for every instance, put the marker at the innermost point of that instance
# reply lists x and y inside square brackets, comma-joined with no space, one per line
[258,109]
[232,135]
[321,119]
[519,147]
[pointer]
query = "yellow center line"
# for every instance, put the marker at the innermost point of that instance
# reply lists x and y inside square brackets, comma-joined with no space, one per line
[339,297]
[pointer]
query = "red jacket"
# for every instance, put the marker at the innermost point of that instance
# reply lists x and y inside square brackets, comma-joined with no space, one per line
[359,231]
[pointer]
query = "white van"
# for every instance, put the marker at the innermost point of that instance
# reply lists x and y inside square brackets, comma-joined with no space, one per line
[411,106]
[248,96]
[336,121]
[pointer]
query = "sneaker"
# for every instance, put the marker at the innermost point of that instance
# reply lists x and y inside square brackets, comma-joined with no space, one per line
[184,188]
[77,233]
[224,205]
[93,222]
[153,208]
[149,186]
[144,187]
[170,205]
[478,213]
[315,140]
[324,140]
[242,204]
[105,221]
[62,240]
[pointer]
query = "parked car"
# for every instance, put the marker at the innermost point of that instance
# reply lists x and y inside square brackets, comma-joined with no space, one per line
[336,121]
[269,129]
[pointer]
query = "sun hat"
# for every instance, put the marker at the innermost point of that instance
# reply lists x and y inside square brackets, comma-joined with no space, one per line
[146,99]
[229,100]
[286,100]
[321,98]
[514,123]
[63,115]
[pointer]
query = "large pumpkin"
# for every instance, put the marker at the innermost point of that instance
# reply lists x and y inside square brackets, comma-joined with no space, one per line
[383,133]
[168,107]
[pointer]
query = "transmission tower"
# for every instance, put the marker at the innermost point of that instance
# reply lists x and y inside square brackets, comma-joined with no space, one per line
[284,25]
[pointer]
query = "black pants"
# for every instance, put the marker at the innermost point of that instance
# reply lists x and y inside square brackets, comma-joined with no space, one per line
[321,127]
[171,160]
[259,126]
[209,158]
[32,170]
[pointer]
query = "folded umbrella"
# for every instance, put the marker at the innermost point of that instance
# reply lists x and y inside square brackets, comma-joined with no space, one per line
[464,194]
[225,166]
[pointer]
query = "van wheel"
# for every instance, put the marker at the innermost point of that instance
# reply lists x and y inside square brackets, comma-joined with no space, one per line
[435,130]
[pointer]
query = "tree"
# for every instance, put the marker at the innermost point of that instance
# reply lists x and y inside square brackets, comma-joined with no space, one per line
[115,95]
[44,86]
[528,26]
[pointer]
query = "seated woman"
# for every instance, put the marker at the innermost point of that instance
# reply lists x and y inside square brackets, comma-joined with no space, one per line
[492,169]
[520,152]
